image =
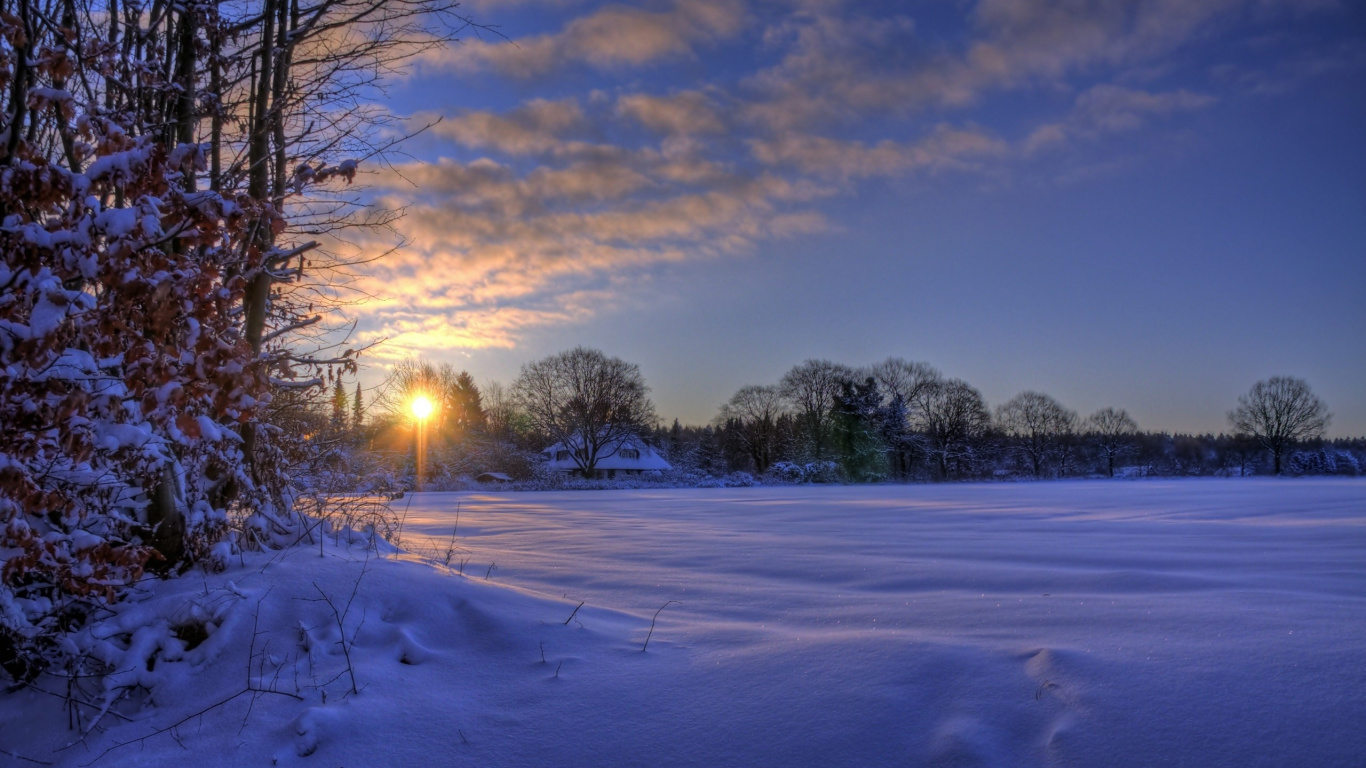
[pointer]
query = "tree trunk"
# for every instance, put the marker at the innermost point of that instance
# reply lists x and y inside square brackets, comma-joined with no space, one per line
[257,295]
[167,521]
[165,513]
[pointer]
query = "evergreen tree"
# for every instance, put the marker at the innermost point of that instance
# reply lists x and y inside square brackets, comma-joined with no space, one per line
[858,427]
[735,448]
[675,439]
[338,422]
[469,416]
[708,452]
[357,410]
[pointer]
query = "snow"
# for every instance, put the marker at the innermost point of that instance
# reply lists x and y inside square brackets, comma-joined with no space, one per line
[1192,622]
[118,165]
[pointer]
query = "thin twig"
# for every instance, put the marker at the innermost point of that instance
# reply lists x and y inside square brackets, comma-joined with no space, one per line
[18,756]
[340,617]
[652,624]
[398,537]
[571,616]
[33,687]
[188,718]
[450,547]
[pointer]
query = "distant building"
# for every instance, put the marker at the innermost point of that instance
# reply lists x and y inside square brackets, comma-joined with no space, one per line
[630,456]
[493,477]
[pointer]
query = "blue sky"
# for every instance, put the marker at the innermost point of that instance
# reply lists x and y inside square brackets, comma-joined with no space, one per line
[1147,204]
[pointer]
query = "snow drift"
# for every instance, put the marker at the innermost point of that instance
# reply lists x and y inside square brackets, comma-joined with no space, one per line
[1197,623]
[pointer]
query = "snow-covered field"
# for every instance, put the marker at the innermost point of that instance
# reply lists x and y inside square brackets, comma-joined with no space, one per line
[1200,623]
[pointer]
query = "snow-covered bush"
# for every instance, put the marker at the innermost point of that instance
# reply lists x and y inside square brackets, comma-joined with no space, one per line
[786,472]
[821,472]
[737,480]
[124,373]
[810,472]
[151,299]
[1325,461]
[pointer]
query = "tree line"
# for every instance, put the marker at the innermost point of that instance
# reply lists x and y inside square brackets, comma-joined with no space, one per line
[894,421]
[903,420]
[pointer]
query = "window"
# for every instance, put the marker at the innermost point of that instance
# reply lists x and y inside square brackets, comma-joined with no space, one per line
[630,453]
[561,455]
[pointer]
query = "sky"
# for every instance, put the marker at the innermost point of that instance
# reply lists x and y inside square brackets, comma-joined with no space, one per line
[1146,204]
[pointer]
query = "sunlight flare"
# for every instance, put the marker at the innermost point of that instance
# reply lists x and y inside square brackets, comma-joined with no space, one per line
[422,407]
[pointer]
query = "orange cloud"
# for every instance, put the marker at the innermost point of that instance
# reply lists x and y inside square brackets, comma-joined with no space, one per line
[536,127]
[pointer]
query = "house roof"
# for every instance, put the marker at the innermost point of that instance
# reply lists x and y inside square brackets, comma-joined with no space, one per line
[610,457]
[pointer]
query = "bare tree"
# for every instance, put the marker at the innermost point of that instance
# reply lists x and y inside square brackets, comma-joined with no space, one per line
[500,410]
[1111,431]
[951,416]
[906,378]
[1278,413]
[586,401]
[756,410]
[299,85]
[812,389]
[1035,424]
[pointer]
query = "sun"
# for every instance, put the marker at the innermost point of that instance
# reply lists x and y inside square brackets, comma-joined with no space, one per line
[422,407]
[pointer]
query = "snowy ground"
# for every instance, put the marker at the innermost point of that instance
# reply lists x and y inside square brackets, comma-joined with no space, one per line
[1201,623]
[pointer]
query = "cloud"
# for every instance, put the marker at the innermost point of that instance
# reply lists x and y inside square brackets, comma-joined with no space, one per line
[536,127]
[611,37]
[1033,40]
[1112,108]
[686,113]
[1109,109]
[841,68]
[552,211]
[1279,75]
[491,251]
[946,147]
[833,68]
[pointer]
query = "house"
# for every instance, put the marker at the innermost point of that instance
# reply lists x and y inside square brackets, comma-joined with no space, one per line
[630,456]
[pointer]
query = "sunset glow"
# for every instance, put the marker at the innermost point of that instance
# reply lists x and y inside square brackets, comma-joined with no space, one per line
[759,183]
